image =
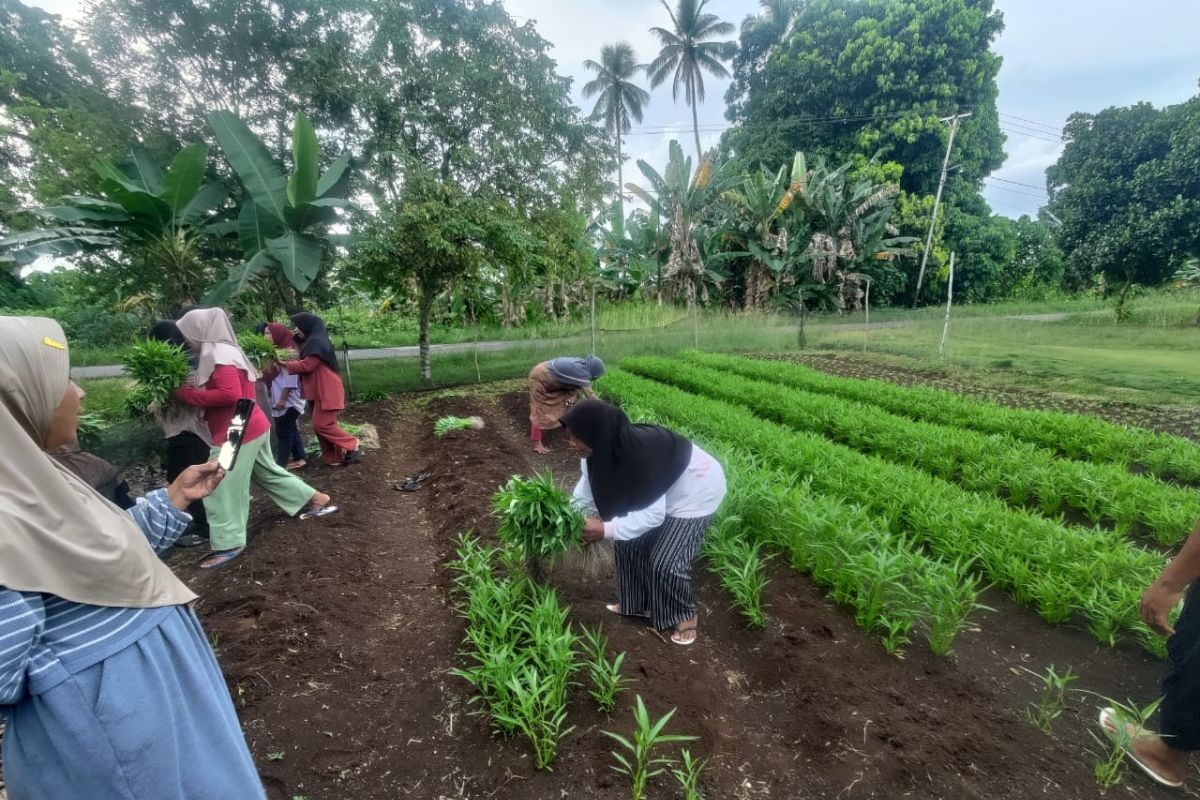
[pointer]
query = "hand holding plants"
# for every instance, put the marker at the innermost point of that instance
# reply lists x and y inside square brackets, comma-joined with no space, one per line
[593,531]
[1157,603]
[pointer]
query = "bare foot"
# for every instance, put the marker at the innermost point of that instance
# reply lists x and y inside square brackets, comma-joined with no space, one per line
[541,449]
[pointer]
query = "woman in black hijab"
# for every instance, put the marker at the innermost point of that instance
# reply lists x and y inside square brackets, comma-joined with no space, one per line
[187,435]
[653,493]
[321,385]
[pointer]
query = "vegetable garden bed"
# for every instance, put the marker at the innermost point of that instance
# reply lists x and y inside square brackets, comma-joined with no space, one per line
[338,640]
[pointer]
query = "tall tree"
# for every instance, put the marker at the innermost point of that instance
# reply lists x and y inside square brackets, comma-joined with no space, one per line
[620,103]
[688,51]
[1127,191]
[760,33]
[862,76]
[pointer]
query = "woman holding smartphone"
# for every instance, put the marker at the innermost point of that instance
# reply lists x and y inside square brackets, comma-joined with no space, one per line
[227,376]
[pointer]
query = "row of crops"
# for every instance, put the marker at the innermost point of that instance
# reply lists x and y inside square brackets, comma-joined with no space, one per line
[904,518]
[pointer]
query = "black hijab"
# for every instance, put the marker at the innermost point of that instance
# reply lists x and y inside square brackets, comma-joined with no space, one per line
[166,330]
[631,466]
[316,339]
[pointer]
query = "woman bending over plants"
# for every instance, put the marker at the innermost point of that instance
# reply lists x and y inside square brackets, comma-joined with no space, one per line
[653,493]
[554,386]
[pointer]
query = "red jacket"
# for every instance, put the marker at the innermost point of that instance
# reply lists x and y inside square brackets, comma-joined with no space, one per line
[219,398]
[318,383]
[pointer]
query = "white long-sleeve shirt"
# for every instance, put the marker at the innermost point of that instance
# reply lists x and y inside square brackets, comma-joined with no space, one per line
[698,493]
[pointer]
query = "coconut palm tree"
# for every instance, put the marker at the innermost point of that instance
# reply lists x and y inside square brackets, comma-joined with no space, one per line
[620,101]
[688,52]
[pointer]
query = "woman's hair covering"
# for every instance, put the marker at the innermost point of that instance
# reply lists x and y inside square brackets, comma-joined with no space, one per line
[316,339]
[631,466]
[211,330]
[58,535]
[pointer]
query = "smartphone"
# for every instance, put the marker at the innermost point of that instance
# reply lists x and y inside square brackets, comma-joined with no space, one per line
[227,457]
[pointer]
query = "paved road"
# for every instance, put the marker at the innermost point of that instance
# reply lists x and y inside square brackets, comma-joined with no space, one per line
[375,353]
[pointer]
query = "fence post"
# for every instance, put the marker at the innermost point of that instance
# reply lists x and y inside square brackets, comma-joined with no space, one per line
[867,319]
[593,317]
[949,300]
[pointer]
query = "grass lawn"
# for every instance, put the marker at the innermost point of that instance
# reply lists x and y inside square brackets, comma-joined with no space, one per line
[1080,355]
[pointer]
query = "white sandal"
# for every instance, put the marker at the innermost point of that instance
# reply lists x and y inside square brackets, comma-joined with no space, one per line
[1108,723]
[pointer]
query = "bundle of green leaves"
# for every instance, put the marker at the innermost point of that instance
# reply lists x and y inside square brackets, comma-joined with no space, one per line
[159,369]
[447,424]
[537,516]
[258,348]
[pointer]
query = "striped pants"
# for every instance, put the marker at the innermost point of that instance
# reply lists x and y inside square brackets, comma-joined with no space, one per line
[654,572]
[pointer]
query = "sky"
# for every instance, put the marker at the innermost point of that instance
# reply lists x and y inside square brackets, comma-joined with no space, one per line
[1060,56]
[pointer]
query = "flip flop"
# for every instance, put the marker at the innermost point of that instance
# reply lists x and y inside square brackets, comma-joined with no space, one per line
[411,483]
[323,511]
[682,629]
[1108,724]
[221,558]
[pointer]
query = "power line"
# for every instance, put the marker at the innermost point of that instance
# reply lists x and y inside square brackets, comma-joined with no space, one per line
[1017,183]
[1055,128]
[1016,191]
[1030,135]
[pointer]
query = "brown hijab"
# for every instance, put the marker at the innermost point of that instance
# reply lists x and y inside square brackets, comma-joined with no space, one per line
[58,535]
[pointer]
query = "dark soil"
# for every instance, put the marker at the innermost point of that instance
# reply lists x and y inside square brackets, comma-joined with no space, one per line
[1163,419]
[336,637]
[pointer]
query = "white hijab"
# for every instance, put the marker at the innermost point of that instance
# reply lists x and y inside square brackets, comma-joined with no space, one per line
[210,328]
[57,535]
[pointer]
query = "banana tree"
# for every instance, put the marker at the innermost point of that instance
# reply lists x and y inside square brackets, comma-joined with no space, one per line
[1189,275]
[157,220]
[680,199]
[282,225]
[849,220]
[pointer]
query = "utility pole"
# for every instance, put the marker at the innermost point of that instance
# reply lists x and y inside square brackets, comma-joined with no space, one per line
[937,201]
[949,300]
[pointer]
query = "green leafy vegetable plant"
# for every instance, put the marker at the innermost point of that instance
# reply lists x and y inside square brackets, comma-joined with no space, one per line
[605,673]
[258,348]
[158,368]
[739,565]
[537,517]
[447,424]
[1054,691]
[637,759]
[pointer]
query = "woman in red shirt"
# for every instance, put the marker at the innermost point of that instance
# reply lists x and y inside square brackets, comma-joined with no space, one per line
[321,385]
[226,376]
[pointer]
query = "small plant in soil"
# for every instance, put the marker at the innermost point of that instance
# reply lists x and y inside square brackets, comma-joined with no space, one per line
[159,369]
[638,760]
[1054,691]
[607,681]
[688,774]
[538,517]
[258,348]
[1130,721]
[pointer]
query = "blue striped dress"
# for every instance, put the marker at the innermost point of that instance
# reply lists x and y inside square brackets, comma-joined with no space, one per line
[104,703]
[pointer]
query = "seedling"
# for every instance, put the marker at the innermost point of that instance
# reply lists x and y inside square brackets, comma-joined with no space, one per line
[638,761]
[275,756]
[688,775]
[1054,691]
[605,673]
[739,565]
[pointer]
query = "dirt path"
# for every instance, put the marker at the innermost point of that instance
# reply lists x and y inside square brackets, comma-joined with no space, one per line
[336,638]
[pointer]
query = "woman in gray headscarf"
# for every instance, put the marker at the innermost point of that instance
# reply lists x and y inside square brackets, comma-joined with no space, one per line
[554,386]
[108,686]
